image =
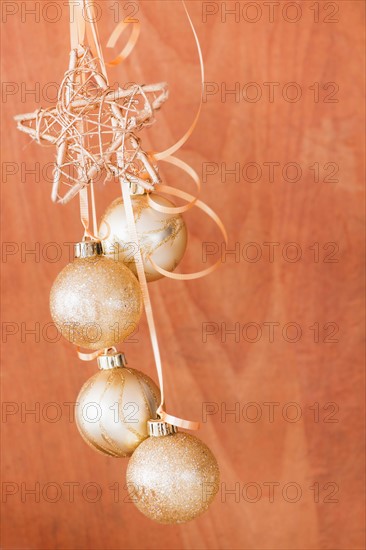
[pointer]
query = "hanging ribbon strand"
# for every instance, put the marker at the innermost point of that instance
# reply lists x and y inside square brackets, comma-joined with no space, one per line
[126,196]
[171,150]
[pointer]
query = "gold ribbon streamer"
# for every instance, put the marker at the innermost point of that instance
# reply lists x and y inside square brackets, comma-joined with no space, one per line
[171,150]
[167,156]
[79,28]
[202,206]
[84,211]
[179,422]
[77,23]
[193,201]
[192,173]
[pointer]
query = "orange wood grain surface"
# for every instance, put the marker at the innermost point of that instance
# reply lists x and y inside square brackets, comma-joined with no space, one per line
[295,484]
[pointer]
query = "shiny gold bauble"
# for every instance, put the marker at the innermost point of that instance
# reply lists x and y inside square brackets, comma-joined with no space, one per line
[112,410]
[173,478]
[96,302]
[162,237]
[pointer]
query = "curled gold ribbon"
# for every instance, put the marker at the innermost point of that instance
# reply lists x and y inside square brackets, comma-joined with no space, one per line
[171,150]
[167,156]
[125,52]
[202,206]
[192,201]
[79,29]
[177,209]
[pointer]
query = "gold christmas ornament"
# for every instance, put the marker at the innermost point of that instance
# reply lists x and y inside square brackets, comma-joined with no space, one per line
[162,237]
[95,301]
[114,405]
[172,478]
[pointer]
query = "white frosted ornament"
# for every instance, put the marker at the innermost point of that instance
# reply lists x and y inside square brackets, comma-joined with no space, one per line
[114,405]
[162,237]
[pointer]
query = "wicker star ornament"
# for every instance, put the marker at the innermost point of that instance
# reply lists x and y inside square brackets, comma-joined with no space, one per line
[92,127]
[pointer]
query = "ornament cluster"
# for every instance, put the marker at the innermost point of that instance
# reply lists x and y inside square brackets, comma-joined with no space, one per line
[97,300]
[96,303]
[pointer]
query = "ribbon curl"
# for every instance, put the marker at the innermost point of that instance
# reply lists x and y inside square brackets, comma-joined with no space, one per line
[171,150]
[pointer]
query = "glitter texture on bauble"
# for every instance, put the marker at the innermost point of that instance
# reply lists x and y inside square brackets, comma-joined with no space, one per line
[96,302]
[172,478]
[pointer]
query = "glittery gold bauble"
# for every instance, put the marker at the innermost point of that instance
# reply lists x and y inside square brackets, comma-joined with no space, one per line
[173,478]
[163,237]
[113,408]
[96,302]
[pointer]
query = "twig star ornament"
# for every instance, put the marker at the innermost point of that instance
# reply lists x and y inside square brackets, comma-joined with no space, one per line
[96,300]
[107,117]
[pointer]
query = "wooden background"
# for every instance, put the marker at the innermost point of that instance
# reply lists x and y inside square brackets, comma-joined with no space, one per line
[314,453]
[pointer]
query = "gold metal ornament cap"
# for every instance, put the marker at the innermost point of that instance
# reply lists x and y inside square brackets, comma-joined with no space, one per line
[158,428]
[111,360]
[88,249]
